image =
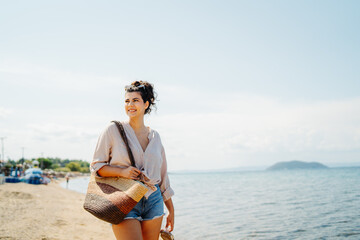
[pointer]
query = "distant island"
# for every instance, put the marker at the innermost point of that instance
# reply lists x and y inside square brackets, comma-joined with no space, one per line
[296,165]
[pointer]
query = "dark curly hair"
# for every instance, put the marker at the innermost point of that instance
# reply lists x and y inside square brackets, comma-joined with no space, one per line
[146,91]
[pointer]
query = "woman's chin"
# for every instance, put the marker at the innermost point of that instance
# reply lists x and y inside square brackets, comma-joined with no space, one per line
[132,115]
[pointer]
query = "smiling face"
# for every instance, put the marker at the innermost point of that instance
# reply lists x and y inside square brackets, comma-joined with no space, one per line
[134,104]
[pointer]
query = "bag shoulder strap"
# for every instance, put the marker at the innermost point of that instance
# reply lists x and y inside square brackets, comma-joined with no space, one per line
[123,136]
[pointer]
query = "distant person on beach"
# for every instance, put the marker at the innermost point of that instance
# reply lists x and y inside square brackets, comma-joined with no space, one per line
[144,220]
[67,177]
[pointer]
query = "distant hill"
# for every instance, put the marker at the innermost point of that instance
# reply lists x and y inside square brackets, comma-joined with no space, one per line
[296,165]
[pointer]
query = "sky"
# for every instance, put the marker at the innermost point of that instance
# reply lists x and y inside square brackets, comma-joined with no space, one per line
[241,84]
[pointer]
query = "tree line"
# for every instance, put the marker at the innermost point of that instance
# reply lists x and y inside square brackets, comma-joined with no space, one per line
[57,164]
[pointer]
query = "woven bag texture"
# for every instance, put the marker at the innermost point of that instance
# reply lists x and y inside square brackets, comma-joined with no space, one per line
[111,199]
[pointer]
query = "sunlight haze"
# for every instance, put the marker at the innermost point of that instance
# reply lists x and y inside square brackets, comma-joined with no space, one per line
[239,83]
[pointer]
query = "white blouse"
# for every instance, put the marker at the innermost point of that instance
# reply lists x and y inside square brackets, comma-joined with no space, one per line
[111,150]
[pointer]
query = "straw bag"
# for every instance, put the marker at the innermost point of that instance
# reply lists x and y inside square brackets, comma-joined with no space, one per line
[112,198]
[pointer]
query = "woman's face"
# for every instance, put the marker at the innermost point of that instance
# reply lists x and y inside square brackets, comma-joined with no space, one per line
[134,104]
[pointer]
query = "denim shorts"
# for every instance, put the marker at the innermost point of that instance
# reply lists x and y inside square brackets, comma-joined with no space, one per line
[148,209]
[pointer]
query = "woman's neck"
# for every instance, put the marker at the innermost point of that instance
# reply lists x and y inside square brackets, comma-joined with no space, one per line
[137,124]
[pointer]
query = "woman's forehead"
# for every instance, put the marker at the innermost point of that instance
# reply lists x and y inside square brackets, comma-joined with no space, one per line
[130,95]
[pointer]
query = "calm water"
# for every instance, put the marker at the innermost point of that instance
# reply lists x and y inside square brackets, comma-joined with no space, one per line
[297,204]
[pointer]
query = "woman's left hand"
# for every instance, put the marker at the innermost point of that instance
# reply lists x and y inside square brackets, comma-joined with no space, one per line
[171,217]
[170,222]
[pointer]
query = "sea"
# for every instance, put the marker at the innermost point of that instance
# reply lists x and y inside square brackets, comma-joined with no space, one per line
[291,204]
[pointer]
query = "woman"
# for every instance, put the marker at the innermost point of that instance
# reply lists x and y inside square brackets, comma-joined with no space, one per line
[144,221]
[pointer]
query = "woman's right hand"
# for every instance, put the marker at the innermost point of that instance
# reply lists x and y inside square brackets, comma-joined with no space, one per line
[130,172]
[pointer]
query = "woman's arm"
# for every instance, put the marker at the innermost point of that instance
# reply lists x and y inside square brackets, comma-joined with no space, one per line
[111,171]
[170,220]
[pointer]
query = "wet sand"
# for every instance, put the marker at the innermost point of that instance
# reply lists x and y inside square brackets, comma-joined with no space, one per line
[47,212]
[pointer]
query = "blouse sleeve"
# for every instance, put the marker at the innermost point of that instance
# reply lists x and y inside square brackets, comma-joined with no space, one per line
[165,188]
[102,151]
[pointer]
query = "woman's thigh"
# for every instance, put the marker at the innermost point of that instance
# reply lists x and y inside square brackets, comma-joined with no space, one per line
[151,228]
[128,230]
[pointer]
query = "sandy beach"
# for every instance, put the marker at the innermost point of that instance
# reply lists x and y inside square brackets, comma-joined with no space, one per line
[46,212]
